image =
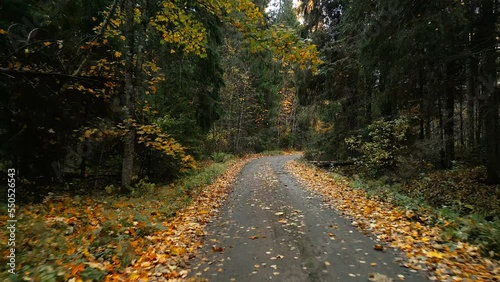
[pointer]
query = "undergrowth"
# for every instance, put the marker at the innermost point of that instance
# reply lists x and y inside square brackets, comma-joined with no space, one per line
[456,200]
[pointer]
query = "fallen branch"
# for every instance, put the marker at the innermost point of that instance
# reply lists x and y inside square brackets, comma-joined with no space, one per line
[327,164]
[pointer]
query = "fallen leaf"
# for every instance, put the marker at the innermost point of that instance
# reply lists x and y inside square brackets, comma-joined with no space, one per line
[435,254]
[217,249]
[183,273]
[377,277]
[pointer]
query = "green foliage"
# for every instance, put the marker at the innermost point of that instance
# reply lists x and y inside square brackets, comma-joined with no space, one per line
[314,155]
[483,233]
[272,153]
[390,192]
[143,186]
[460,221]
[385,141]
[203,177]
[93,274]
[462,189]
[475,229]
[221,157]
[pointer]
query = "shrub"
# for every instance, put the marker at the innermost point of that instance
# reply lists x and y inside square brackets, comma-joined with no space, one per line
[221,157]
[384,142]
[143,187]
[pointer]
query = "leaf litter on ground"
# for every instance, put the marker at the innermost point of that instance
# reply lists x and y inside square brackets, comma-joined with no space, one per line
[168,255]
[420,241]
[112,238]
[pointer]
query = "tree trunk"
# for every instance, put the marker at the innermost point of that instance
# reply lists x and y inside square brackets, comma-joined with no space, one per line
[369,98]
[461,115]
[471,73]
[487,35]
[127,98]
[471,90]
[442,152]
[422,103]
[449,128]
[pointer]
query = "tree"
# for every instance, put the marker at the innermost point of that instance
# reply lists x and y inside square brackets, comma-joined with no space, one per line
[118,57]
[407,60]
[487,37]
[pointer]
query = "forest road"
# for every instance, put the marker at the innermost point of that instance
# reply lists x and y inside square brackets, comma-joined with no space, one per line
[272,229]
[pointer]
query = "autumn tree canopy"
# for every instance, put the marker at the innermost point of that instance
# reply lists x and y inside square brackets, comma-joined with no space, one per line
[121,78]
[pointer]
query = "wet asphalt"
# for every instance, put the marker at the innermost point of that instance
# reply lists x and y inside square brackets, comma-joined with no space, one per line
[273,229]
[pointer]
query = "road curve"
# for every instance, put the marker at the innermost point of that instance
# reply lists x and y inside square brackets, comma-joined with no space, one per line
[272,229]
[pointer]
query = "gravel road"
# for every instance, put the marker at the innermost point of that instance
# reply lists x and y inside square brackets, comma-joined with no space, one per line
[272,229]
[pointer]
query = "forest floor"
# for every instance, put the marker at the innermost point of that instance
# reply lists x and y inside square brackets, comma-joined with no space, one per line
[271,218]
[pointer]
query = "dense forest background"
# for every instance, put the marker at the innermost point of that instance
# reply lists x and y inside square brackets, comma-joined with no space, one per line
[405,83]
[124,90]
[124,121]
[409,92]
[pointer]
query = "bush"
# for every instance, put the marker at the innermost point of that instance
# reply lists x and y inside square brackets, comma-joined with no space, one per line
[384,142]
[221,157]
[314,155]
[143,187]
[475,229]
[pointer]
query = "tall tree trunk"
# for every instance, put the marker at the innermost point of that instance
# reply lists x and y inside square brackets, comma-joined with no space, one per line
[471,73]
[442,152]
[127,98]
[471,96]
[480,122]
[422,103]
[461,115]
[369,98]
[449,126]
[487,34]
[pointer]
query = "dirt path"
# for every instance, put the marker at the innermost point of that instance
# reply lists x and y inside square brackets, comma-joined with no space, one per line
[272,229]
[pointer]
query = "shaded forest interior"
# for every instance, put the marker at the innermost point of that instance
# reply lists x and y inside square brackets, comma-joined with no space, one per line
[101,93]
[116,114]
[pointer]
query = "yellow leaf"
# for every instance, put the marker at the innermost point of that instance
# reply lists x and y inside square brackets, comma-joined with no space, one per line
[434,254]
[3,31]
[118,54]
[134,276]
[47,44]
